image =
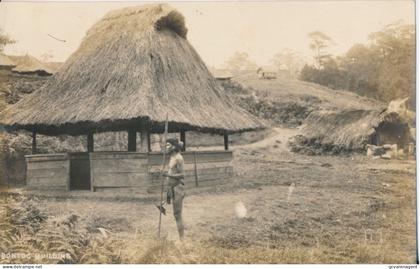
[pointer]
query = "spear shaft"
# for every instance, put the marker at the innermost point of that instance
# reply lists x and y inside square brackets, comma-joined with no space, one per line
[162,181]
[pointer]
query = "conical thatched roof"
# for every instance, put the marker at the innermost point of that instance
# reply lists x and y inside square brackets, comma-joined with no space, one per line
[132,67]
[28,64]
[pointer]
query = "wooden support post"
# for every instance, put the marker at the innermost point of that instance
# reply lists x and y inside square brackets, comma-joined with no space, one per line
[226,138]
[144,146]
[149,147]
[34,142]
[195,169]
[90,142]
[182,135]
[132,140]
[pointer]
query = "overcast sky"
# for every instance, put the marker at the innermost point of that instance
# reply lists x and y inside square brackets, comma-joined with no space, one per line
[216,29]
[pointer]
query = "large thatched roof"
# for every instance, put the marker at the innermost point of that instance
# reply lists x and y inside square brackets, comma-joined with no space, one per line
[132,68]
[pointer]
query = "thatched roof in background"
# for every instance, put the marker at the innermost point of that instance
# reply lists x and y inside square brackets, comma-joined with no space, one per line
[132,68]
[6,61]
[349,129]
[27,64]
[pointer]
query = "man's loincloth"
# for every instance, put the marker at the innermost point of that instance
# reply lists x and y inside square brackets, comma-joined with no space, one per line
[172,183]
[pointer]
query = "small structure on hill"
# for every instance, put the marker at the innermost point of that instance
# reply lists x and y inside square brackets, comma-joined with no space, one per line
[133,70]
[266,73]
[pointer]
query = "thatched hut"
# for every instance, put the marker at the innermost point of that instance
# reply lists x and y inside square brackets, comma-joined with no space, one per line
[133,69]
[29,65]
[351,129]
[267,72]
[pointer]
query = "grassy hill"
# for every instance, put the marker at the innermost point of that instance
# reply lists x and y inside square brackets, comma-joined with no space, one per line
[289,101]
[333,121]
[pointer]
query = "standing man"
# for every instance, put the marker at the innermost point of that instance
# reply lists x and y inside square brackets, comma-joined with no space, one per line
[175,175]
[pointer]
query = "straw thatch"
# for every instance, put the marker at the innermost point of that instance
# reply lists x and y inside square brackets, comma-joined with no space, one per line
[5,61]
[133,68]
[354,129]
[28,64]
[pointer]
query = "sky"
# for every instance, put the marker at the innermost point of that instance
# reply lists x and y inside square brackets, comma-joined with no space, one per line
[216,29]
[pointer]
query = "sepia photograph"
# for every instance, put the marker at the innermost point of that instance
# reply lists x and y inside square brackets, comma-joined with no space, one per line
[208,132]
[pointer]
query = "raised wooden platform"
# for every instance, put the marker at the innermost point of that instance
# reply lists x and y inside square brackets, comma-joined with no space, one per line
[101,171]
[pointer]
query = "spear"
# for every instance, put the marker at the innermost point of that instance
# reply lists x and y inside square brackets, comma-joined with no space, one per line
[162,181]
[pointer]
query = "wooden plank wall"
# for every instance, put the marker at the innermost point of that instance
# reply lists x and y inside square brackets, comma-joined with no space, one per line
[212,168]
[48,171]
[122,170]
[110,170]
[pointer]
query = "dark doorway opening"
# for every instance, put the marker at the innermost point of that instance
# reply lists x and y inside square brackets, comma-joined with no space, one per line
[79,171]
[392,133]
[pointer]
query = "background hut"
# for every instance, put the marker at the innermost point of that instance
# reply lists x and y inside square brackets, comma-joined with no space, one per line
[133,69]
[354,129]
[266,72]
[29,65]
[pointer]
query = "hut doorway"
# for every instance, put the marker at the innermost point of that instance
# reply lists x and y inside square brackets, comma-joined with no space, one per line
[79,171]
[391,133]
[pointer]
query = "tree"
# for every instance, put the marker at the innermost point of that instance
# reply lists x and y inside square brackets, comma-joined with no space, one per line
[330,76]
[395,48]
[5,40]
[361,66]
[289,60]
[240,61]
[383,69]
[319,41]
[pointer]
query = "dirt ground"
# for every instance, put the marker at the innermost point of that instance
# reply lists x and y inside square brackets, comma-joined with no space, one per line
[296,208]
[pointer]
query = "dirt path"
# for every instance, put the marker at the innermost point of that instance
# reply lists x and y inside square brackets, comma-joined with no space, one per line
[279,137]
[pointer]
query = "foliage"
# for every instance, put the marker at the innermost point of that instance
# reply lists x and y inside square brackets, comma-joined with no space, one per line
[319,41]
[240,61]
[383,69]
[329,76]
[28,231]
[262,105]
[5,40]
[289,60]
